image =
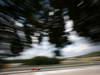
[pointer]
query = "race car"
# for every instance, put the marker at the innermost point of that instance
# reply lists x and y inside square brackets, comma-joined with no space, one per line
[36,69]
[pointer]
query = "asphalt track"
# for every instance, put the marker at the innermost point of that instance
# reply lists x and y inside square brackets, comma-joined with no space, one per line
[86,70]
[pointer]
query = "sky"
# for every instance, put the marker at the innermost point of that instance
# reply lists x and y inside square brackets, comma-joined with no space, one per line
[79,46]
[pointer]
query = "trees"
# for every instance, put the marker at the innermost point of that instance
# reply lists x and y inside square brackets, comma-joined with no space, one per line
[34,16]
[57,30]
[29,13]
[42,60]
[85,14]
[10,12]
[88,22]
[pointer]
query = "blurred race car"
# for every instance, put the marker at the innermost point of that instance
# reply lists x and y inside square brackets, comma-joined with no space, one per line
[36,69]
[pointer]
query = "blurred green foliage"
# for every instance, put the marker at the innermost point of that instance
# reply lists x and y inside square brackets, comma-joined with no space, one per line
[42,60]
[39,60]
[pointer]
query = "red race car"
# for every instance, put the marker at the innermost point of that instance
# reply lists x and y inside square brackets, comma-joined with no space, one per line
[35,69]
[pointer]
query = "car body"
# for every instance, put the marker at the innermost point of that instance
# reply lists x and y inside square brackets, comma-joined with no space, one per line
[35,69]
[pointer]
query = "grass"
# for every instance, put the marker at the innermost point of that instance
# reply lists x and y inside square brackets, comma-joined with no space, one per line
[93,54]
[84,60]
[26,67]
